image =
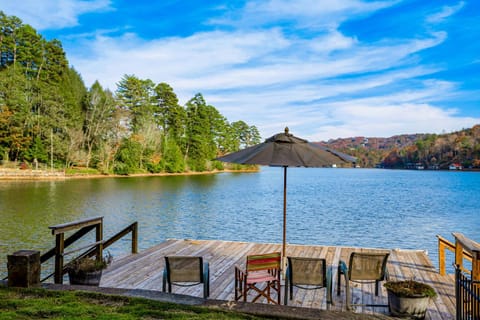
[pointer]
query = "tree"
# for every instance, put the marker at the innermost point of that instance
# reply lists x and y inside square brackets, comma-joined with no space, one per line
[100,109]
[202,125]
[172,160]
[37,151]
[128,157]
[136,97]
[169,114]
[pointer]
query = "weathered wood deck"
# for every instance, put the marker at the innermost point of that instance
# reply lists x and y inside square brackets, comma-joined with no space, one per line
[144,271]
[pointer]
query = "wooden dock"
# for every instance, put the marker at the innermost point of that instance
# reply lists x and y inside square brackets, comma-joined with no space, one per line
[144,271]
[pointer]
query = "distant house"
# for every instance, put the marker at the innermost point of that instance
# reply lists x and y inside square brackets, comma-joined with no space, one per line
[455,166]
[415,166]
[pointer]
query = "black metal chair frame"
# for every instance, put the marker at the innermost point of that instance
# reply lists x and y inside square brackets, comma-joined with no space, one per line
[290,281]
[346,272]
[202,278]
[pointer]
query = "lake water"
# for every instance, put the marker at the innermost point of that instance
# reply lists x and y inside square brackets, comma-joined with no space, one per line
[351,207]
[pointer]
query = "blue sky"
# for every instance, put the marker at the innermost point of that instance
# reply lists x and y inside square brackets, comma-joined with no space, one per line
[324,68]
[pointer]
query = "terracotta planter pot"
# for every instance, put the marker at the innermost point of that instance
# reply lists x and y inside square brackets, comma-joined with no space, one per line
[413,307]
[85,278]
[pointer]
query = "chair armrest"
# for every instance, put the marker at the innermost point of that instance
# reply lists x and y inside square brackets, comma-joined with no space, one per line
[206,272]
[164,280]
[342,267]
[329,286]
[288,274]
[206,280]
[274,272]
[239,273]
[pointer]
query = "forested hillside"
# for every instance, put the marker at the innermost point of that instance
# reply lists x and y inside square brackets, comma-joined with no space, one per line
[49,118]
[431,151]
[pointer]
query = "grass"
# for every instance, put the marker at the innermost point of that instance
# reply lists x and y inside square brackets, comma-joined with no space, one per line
[81,171]
[20,304]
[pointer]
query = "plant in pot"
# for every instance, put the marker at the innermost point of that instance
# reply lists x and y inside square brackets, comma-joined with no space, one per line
[409,298]
[88,271]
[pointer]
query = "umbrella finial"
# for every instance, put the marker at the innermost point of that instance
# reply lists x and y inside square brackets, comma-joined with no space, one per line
[286,131]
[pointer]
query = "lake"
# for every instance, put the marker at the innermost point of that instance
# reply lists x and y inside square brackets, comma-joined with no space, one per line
[351,207]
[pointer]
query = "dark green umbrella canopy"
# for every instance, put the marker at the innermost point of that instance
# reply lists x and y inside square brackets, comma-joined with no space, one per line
[286,150]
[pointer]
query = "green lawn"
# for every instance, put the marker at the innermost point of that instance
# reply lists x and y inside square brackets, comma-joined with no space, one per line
[18,304]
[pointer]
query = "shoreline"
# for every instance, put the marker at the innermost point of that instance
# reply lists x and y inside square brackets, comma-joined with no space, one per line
[37,175]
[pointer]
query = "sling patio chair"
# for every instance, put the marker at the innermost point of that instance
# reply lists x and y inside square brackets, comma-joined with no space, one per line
[308,274]
[186,271]
[363,267]
[260,269]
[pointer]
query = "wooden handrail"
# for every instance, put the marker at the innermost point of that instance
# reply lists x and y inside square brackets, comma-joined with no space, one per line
[62,228]
[444,244]
[133,228]
[82,225]
[107,243]
[463,244]
[86,226]
[467,244]
[74,237]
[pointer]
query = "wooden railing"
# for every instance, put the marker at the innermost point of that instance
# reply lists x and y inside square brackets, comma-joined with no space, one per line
[94,249]
[464,249]
[467,297]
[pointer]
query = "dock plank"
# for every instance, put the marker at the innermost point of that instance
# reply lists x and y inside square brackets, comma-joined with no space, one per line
[144,271]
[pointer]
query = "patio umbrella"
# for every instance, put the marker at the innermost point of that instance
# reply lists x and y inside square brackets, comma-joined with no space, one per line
[286,150]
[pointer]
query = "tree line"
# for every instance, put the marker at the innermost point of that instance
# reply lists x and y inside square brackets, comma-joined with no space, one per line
[47,115]
[439,151]
[431,151]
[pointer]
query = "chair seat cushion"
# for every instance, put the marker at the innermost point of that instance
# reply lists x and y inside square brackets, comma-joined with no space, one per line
[259,276]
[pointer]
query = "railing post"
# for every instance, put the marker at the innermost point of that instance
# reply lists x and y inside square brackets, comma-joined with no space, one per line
[458,254]
[441,257]
[99,239]
[135,237]
[59,247]
[476,266]
[458,297]
[475,287]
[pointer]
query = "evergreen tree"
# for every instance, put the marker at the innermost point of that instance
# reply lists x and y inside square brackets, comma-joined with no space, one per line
[100,109]
[197,133]
[136,97]
[170,115]
[128,157]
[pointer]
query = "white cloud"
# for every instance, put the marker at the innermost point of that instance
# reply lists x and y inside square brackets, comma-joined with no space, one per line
[304,13]
[52,14]
[221,60]
[445,13]
[324,85]
[187,63]
[388,120]
[334,40]
[285,81]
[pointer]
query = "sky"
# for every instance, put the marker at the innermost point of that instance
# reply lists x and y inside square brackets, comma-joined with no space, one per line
[327,69]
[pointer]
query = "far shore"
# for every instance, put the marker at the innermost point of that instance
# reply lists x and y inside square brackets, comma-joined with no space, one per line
[16,174]
[161,174]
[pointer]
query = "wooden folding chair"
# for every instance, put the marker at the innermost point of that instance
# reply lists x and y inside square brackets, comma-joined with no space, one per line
[260,269]
[308,274]
[186,271]
[363,267]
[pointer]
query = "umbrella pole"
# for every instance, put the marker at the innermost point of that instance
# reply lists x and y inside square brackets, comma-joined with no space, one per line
[284,248]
